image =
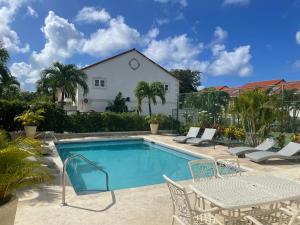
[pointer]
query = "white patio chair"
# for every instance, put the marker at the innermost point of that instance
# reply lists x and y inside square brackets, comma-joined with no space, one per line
[183,213]
[228,166]
[202,169]
[288,216]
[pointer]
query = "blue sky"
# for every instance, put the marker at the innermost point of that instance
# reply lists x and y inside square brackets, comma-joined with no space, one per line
[231,41]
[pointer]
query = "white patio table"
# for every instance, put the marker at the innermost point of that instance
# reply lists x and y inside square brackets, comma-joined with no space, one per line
[247,191]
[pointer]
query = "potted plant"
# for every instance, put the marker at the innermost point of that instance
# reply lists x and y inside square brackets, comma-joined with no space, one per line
[153,120]
[17,170]
[30,120]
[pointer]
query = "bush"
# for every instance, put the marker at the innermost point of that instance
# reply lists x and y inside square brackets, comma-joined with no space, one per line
[8,111]
[56,119]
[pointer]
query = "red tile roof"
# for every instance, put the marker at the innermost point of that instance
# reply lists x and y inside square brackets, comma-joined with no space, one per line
[219,88]
[263,84]
[292,85]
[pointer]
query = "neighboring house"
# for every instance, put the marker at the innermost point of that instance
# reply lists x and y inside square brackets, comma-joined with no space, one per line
[275,85]
[121,73]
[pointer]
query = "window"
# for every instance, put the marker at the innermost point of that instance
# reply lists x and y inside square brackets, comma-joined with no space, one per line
[99,83]
[166,87]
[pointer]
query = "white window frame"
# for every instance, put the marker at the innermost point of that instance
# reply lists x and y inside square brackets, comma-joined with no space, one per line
[100,80]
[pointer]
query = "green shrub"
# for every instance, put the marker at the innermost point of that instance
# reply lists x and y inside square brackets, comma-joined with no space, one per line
[56,119]
[8,111]
[83,123]
[281,140]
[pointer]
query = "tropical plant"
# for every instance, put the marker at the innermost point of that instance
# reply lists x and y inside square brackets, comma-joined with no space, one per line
[295,137]
[16,168]
[233,132]
[30,117]
[281,140]
[153,119]
[210,101]
[229,132]
[63,78]
[150,92]
[255,109]
[8,82]
[118,105]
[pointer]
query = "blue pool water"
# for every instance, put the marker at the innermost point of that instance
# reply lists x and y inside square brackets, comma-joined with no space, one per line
[129,163]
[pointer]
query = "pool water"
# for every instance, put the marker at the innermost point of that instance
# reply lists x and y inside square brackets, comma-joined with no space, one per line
[129,163]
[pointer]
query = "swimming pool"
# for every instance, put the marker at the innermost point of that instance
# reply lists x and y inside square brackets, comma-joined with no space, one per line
[129,163]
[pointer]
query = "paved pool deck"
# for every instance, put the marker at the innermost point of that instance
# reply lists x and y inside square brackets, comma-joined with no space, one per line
[148,205]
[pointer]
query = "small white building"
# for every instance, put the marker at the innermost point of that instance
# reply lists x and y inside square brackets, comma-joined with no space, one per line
[121,73]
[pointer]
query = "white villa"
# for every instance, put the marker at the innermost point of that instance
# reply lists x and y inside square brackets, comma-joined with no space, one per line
[121,73]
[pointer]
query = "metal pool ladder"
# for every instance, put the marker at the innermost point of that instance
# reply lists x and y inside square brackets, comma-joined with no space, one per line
[65,164]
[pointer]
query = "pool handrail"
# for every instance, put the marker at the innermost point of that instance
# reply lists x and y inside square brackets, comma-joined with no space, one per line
[65,163]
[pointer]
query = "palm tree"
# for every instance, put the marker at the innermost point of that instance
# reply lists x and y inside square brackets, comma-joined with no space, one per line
[257,111]
[65,78]
[7,81]
[149,91]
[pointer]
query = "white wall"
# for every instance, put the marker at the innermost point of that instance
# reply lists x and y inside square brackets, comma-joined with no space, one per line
[121,78]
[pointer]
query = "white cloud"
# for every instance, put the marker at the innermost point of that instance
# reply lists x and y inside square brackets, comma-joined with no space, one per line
[231,63]
[153,33]
[8,36]
[162,21]
[236,2]
[298,37]
[32,12]
[62,41]
[220,34]
[217,48]
[296,64]
[117,36]
[182,3]
[178,52]
[91,15]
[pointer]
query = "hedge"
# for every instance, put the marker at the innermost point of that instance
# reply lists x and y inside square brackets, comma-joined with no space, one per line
[56,119]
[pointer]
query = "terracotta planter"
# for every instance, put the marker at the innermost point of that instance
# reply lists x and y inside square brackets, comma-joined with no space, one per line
[30,131]
[154,128]
[8,212]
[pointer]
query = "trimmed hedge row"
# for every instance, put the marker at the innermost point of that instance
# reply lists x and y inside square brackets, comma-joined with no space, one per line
[56,119]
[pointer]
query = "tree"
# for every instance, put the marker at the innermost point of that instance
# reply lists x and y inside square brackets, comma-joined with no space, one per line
[118,105]
[150,92]
[188,80]
[8,83]
[256,109]
[65,78]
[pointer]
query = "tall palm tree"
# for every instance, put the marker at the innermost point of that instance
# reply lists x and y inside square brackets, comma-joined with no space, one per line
[65,78]
[149,91]
[7,81]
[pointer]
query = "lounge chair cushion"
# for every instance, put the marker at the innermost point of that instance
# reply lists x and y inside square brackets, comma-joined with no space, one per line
[181,139]
[207,135]
[193,132]
[264,146]
[241,150]
[288,152]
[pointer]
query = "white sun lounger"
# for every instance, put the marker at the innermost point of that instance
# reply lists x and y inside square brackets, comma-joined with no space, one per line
[207,136]
[288,152]
[193,132]
[242,150]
